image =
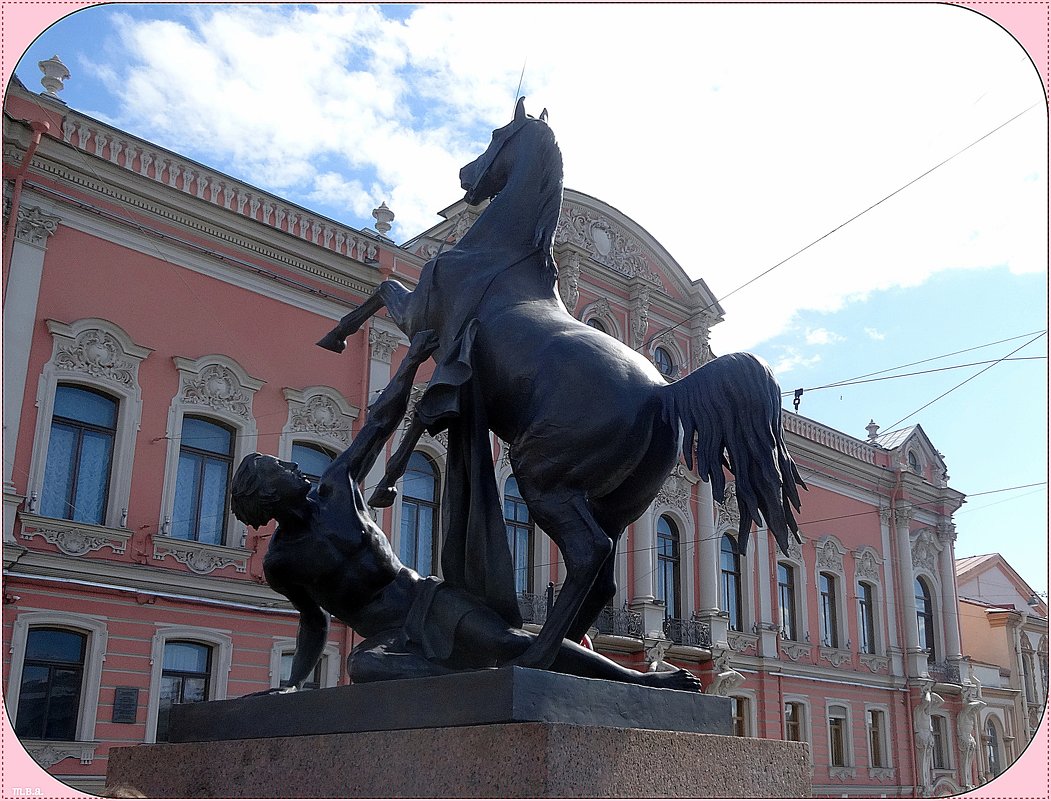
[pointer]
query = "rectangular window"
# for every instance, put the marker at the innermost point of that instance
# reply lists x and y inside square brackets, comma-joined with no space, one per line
[313,682]
[829,627]
[786,595]
[52,675]
[203,481]
[837,736]
[739,712]
[184,679]
[941,756]
[867,618]
[794,722]
[79,456]
[876,744]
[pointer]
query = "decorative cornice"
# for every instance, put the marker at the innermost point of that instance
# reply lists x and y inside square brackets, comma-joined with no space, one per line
[72,538]
[47,754]
[874,663]
[34,226]
[383,344]
[200,557]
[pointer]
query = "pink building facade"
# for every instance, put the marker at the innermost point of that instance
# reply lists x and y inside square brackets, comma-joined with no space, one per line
[159,321]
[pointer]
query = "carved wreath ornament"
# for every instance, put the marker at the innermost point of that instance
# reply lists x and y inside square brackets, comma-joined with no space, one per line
[217,388]
[98,354]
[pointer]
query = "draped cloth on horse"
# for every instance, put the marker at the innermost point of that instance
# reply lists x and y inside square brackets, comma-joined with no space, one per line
[476,555]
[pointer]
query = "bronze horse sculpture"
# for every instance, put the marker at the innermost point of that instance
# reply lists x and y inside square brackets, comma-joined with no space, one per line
[594,429]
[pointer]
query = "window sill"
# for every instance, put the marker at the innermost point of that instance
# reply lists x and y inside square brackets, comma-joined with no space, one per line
[73,538]
[200,557]
[50,752]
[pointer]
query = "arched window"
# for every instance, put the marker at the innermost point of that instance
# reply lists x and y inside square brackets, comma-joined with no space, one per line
[596,323]
[52,677]
[866,618]
[664,362]
[419,515]
[925,619]
[829,621]
[184,679]
[313,460]
[79,455]
[838,739]
[786,598]
[201,489]
[992,748]
[668,566]
[914,462]
[520,534]
[730,569]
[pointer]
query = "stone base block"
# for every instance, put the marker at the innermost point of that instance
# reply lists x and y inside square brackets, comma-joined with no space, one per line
[510,760]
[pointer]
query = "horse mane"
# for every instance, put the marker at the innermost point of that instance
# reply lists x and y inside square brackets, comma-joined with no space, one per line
[551,194]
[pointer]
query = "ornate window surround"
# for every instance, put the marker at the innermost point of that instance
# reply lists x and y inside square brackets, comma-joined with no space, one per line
[802,585]
[937,610]
[847,770]
[687,553]
[95,353]
[868,568]
[805,726]
[680,361]
[218,388]
[829,559]
[94,655]
[222,653]
[746,579]
[329,676]
[318,415]
[601,310]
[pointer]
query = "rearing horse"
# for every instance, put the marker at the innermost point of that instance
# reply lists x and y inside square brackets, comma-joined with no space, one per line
[594,429]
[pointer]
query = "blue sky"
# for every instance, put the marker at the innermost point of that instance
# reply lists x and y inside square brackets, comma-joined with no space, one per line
[737,135]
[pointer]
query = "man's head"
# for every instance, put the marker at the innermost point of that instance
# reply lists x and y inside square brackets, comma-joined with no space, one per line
[264,486]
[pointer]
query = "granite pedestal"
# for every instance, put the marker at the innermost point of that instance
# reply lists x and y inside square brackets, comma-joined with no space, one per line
[507,733]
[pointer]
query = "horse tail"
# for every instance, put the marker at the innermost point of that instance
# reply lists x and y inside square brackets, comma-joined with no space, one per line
[730,412]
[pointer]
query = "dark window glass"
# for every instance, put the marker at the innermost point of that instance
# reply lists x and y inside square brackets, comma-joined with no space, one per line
[941,757]
[876,748]
[925,619]
[52,675]
[519,535]
[662,359]
[668,566]
[202,485]
[419,515]
[730,569]
[829,623]
[867,609]
[79,455]
[794,721]
[313,460]
[837,737]
[739,711]
[184,679]
[992,748]
[786,595]
[597,325]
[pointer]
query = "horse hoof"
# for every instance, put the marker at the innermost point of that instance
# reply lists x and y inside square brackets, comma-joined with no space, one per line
[332,342]
[383,497]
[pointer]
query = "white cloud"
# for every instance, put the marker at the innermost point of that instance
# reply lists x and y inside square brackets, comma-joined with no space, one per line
[722,129]
[822,336]
[793,360]
[875,334]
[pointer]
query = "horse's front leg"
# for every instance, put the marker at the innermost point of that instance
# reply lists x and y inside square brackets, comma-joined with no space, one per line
[386,491]
[586,548]
[389,293]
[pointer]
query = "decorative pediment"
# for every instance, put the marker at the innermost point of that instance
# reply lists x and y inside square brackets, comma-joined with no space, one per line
[74,539]
[925,550]
[604,241]
[96,348]
[830,554]
[217,383]
[727,512]
[677,489]
[867,564]
[320,412]
[200,557]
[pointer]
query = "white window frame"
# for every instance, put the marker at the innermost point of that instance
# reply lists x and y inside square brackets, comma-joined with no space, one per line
[746,577]
[97,354]
[687,554]
[937,611]
[947,742]
[804,724]
[222,655]
[869,556]
[888,755]
[801,579]
[829,558]
[751,713]
[94,656]
[216,388]
[285,645]
[849,758]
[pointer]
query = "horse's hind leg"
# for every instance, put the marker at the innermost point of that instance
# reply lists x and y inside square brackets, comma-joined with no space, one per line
[389,293]
[585,548]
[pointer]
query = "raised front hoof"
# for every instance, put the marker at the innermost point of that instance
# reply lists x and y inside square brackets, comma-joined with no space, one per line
[332,342]
[383,497]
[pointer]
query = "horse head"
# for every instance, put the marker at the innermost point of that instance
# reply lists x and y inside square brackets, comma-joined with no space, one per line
[487,175]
